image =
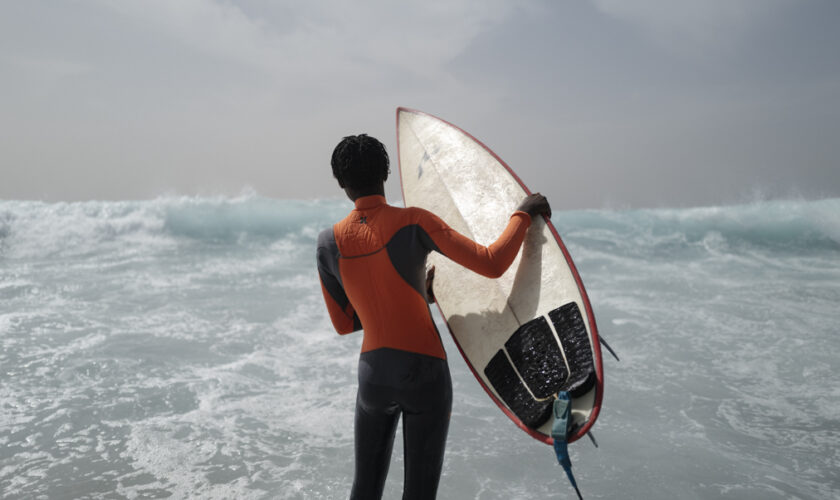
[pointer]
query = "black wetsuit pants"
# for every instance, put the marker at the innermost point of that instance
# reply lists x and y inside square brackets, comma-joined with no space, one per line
[394,382]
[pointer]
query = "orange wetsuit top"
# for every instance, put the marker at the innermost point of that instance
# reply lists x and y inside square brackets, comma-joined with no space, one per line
[372,270]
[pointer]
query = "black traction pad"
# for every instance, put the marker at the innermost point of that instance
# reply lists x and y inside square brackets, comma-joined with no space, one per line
[534,351]
[500,373]
[536,355]
[572,332]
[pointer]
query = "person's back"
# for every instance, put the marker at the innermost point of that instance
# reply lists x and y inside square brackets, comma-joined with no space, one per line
[380,253]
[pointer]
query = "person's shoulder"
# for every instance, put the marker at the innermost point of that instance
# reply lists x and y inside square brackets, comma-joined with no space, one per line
[426,219]
[326,238]
[417,212]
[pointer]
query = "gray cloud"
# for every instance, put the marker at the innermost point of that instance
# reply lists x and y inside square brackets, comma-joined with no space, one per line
[643,103]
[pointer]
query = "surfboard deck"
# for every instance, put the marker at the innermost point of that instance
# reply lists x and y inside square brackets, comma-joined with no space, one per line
[529,333]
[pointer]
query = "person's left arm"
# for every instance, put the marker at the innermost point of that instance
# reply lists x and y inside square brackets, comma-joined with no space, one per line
[342,314]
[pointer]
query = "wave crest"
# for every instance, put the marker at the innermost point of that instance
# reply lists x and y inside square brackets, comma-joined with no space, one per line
[790,225]
[38,228]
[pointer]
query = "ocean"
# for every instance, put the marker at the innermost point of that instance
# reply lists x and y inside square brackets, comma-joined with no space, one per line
[179,348]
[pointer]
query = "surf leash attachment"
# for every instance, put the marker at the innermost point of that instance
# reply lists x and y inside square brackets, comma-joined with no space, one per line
[559,430]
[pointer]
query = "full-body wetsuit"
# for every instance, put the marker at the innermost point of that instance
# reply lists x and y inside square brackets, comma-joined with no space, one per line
[372,270]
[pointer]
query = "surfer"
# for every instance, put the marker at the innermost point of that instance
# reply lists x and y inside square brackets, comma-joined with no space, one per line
[372,271]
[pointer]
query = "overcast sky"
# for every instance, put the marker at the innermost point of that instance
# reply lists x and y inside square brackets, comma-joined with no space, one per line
[597,103]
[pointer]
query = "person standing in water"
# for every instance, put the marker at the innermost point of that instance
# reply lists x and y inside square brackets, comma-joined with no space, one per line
[372,267]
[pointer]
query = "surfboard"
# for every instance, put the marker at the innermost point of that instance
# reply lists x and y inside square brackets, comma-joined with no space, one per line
[529,333]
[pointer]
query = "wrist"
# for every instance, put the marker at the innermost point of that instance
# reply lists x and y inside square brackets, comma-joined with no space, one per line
[521,214]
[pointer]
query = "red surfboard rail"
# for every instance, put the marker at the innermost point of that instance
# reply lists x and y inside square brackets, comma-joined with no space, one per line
[596,345]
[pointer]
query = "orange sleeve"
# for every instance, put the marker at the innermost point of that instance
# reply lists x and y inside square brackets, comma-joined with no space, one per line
[491,261]
[344,320]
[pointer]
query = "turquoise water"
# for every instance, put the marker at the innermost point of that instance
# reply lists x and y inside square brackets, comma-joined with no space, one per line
[179,348]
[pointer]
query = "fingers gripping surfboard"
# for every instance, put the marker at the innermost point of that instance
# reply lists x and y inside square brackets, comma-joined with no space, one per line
[530,333]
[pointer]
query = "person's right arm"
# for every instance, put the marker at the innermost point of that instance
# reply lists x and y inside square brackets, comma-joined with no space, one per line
[493,260]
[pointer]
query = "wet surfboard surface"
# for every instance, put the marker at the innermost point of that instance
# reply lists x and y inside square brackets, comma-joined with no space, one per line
[529,333]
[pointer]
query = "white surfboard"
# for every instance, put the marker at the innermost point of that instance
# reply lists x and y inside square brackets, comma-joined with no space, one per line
[529,333]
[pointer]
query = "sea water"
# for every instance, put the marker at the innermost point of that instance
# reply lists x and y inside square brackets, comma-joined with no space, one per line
[180,348]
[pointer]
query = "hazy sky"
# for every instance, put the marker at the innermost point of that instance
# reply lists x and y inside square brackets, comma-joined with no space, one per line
[596,103]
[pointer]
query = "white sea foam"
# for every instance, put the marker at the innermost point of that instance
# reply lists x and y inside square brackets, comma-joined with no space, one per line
[180,347]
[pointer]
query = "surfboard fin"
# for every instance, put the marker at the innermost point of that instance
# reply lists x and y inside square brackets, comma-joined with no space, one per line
[559,428]
[592,438]
[608,347]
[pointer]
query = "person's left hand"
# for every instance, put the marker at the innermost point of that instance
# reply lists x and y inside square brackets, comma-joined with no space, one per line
[430,276]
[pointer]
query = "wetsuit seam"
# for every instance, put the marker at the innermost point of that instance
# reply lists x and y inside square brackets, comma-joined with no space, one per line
[362,255]
[402,350]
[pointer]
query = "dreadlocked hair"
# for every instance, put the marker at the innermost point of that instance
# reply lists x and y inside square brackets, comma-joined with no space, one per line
[360,161]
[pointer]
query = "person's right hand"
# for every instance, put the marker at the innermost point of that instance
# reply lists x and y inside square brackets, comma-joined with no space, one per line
[535,204]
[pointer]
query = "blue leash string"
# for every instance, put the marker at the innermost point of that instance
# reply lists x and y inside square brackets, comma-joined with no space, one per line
[559,428]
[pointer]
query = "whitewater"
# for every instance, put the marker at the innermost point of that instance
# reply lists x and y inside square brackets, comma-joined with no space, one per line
[179,348]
